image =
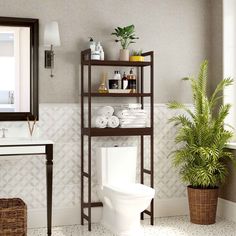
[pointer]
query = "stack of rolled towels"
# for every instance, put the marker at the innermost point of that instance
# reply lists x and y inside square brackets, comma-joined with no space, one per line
[104,118]
[124,116]
[131,116]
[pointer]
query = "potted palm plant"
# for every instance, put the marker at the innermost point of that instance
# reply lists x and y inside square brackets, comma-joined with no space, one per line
[126,36]
[202,154]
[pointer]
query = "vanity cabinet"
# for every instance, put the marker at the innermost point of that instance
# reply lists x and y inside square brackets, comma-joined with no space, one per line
[87,98]
[33,146]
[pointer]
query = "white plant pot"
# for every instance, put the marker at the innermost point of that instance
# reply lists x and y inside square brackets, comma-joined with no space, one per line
[124,55]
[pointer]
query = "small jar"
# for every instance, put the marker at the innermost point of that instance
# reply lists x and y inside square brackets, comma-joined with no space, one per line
[95,55]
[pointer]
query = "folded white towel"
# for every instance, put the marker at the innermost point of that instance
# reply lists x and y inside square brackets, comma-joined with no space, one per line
[127,117]
[131,113]
[100,122]
[132,121]
[105,111]
[133,126]
[113,122]
[132,106]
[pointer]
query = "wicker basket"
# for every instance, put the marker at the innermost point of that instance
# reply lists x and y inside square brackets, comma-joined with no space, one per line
[202,205]
[13,217]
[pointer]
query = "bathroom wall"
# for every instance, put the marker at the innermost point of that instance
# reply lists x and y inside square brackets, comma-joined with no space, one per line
[24,177]
[177,31]
[216,39]
[228,190]
[227,7]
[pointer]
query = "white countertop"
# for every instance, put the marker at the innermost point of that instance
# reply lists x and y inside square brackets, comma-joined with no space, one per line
[23,141]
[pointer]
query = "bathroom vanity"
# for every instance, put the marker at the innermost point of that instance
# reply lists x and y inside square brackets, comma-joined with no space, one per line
[33,146]
[19,92]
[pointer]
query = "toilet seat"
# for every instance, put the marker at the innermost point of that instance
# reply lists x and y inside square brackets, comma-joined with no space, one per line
[130,190]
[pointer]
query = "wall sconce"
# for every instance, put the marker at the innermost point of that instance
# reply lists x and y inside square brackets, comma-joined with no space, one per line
[51,39]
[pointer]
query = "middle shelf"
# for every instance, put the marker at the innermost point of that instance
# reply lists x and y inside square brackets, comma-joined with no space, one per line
[94,94]
[117,131]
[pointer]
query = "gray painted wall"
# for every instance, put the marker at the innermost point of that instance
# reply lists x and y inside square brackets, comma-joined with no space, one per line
[216,40]
[177,30]
[228,190]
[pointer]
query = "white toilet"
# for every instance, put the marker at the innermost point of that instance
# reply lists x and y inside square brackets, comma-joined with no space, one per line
[123,199]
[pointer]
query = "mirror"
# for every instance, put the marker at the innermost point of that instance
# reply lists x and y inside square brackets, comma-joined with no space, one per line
[18,68]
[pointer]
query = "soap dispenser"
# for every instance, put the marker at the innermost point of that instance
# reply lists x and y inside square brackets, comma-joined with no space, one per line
[92,44]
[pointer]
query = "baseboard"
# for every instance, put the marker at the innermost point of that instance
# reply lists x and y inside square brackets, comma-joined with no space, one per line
[226,209]
[171,207]
[63,216]
[163,207]
[69,216]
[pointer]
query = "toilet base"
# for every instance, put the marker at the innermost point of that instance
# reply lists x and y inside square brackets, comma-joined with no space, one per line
[121,224]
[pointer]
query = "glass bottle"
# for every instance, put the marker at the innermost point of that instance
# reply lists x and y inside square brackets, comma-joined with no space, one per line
[103,88]
[132,81]
[124,81]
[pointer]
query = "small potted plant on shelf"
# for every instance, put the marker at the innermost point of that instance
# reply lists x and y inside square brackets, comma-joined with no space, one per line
[125,36]
[201,156]
[136,56]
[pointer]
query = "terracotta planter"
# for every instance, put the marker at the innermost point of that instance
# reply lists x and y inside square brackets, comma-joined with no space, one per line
[202,205]
[136,58]
[124,55]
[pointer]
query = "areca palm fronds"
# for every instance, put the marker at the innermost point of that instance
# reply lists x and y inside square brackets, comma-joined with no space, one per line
[202,135]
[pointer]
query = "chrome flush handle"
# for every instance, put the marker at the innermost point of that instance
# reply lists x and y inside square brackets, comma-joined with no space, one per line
[4,132]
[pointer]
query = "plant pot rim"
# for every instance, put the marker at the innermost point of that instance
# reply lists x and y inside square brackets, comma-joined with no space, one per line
[137,56]
[199,188]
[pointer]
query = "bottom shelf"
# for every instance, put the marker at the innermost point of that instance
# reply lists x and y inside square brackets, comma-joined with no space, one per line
[117,131]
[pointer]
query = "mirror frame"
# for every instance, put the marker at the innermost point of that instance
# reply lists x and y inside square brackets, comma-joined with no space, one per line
[33,24]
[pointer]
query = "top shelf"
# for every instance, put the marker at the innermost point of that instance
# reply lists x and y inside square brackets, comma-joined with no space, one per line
[116,63]
[86,55]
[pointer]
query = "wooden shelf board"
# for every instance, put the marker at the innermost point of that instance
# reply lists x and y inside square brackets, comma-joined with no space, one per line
[117,131]
[116,63]
[118,94]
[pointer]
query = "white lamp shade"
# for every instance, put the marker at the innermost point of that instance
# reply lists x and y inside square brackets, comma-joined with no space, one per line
[51,34]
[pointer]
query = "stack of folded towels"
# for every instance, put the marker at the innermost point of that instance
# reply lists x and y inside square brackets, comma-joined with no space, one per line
[131,116]
[104,118]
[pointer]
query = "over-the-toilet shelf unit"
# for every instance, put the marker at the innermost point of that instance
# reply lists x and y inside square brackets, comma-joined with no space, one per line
[90,132]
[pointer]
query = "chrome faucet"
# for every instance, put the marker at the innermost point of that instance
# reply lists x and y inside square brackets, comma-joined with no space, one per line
[4,132]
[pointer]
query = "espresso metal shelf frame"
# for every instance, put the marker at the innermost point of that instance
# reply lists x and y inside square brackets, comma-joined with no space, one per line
[87,205]
[118,94]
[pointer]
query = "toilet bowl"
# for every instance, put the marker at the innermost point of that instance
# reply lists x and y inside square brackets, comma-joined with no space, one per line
[123,199]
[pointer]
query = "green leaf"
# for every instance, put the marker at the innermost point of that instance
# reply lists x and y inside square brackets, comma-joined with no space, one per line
[201,134]
[126,35]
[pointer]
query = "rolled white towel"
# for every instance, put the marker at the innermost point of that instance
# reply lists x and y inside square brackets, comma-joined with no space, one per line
[105,111]
[113,122]
[100,122]
[121,113]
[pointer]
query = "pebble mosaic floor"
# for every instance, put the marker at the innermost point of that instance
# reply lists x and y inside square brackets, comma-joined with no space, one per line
[168,226]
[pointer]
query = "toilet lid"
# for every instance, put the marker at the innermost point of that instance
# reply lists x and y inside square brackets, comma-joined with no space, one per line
[135,190]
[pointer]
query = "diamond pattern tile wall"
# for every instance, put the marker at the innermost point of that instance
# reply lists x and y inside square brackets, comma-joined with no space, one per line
[25,176]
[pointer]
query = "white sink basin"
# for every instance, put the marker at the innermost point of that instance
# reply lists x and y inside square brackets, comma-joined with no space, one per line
[23,141]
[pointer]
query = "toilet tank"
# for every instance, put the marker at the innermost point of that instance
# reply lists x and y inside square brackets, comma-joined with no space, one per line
[116,165]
